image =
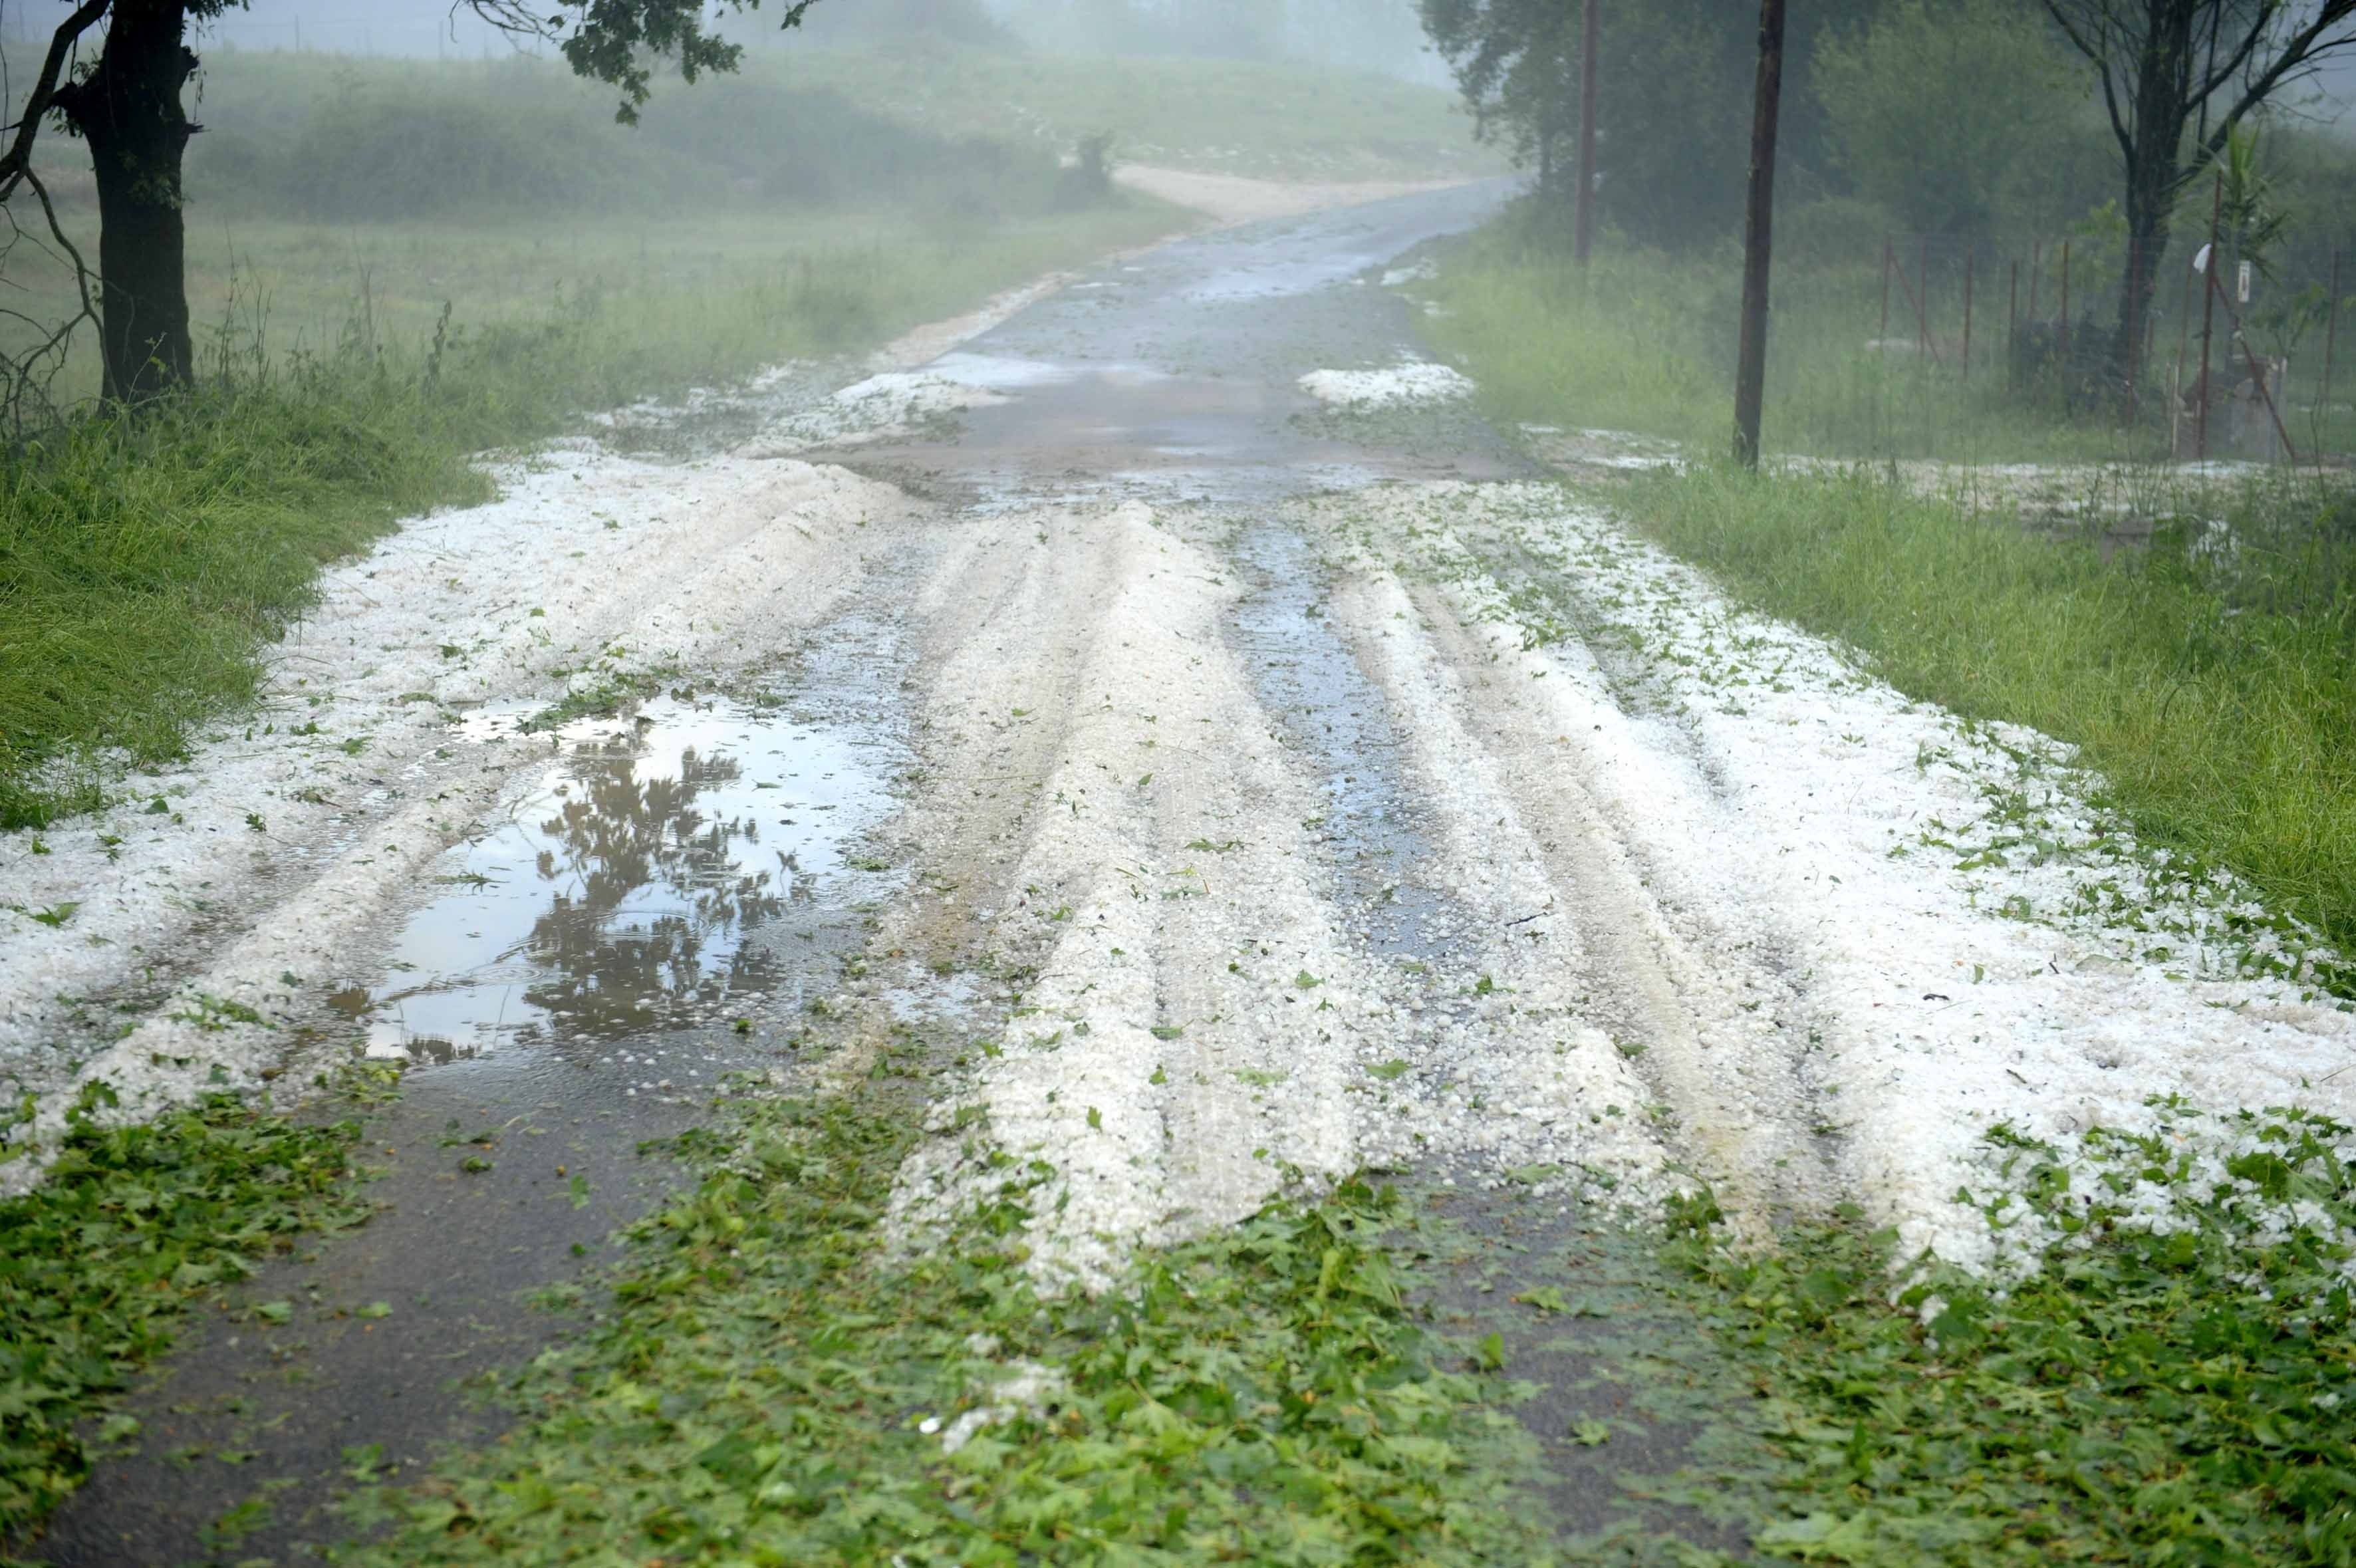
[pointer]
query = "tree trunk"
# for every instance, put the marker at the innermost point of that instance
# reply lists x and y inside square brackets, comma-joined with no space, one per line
[2155,174]
[129,110]
[2151,190]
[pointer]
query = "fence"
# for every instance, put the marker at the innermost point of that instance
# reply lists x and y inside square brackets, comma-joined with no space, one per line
[2238,359]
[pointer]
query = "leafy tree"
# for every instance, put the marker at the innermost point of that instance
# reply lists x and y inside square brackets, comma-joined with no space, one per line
[1942,113]
[1516,63]
[1672,105]
[126,104]
[2179,77]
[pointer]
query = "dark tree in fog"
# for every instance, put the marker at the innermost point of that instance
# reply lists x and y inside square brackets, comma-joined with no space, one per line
[2178,77]
[124,99]
[1672,100]
[1516,63]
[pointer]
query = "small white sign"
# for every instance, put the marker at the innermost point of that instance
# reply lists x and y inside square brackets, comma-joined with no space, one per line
[2241,283]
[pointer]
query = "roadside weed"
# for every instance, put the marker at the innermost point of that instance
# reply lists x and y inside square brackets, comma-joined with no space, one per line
[779,1385]
[134,1225]
[2164,1385]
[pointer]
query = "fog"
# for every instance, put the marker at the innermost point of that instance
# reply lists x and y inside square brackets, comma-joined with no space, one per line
[1365,34]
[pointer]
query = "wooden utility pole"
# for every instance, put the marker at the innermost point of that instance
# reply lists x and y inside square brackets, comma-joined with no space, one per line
[1758,234]
[1583,227]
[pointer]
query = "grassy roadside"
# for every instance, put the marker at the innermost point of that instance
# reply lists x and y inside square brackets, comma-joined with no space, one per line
[1643,342]
[779,1384]
[142,562]
[2163,1385]
[2210,680]
[135,1226]
[2214,690]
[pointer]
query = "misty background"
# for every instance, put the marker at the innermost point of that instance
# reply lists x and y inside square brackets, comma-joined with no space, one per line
[1379,35]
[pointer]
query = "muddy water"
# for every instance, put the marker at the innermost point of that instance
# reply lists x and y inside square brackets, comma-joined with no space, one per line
[568,995]
[619,893]
[1174,378]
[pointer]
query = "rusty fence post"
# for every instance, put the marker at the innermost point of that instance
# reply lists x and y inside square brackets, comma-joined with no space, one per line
[2012,324]
[1970,253]
[2135,315]
[2208,315]
[1884,339]
[2065,308]
[1923,299]
[2330,341]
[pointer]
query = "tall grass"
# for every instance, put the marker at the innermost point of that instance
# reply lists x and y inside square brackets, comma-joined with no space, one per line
[2211,682]
[144,560]
[1643,341]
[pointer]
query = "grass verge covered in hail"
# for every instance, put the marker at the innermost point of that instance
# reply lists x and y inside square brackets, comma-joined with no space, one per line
[2162,1380]
[2209,685]
[134,1225]
[776,1384]
[144,562]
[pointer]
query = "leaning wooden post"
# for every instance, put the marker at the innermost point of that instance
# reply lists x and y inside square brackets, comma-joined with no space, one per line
[1758,234]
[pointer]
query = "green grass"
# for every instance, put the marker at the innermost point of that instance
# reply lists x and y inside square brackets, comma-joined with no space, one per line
[134,1225]
[142,562]
[2165,1394]
[771,1384]
[922,122]
[2216,694]
[1645,342]
[1274,122]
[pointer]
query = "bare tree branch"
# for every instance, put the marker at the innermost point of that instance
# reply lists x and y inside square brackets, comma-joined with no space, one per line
[16,164]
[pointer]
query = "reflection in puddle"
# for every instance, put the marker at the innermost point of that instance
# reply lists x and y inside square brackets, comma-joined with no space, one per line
[619,896]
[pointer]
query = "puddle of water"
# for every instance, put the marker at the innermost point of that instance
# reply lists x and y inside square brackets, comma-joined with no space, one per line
[620,895]
[1310,680]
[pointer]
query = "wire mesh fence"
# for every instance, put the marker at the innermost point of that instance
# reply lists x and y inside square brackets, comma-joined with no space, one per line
[2183,351]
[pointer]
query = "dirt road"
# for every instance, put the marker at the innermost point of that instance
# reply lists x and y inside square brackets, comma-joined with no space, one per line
[1279,773]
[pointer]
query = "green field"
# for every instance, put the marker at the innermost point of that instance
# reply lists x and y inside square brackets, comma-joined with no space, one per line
[1272,122]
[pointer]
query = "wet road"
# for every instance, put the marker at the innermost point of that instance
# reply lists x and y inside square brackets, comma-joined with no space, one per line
[571,989]
[1176,376]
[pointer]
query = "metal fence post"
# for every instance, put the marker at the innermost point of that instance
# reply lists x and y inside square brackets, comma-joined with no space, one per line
[2065,308]
[1970,255]
[2012,324]
[1923,299]
[2330,338]
[1885,293]
[2135,314]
